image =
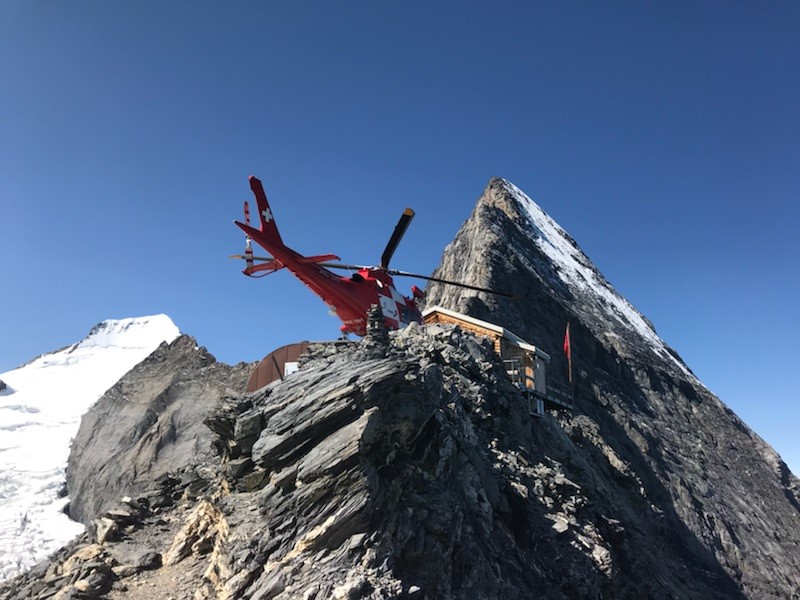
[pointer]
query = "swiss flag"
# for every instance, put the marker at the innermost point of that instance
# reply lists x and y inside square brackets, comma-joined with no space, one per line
[567,348]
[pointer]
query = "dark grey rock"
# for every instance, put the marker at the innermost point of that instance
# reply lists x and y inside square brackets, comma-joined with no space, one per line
[151,423]
[238,467]
[135,556]
[248,428]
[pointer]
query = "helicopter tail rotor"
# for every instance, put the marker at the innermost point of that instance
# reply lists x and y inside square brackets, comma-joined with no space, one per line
[248,248]
[270,265]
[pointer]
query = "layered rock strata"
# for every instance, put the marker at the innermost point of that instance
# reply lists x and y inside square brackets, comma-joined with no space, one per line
[412,470]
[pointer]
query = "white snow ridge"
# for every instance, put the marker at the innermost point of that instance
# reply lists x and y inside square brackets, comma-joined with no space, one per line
[40,412]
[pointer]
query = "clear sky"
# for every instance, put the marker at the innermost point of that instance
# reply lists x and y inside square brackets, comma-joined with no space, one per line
[665,137]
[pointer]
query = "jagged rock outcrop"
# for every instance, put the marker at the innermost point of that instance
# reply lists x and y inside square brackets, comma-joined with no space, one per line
[409,471]
[148,425]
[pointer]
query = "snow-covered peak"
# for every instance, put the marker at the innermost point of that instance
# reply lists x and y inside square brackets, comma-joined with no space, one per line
[578,273]
[130,333]
[137,332]
[40,411]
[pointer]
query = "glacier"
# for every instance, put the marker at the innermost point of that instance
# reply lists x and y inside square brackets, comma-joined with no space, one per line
[40,412]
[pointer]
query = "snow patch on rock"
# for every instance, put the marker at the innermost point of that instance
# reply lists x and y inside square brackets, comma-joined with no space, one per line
[578,273]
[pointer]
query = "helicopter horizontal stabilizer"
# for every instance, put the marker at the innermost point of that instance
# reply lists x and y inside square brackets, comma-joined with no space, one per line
[263,269]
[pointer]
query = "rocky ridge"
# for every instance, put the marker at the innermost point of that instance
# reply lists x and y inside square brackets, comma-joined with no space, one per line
[408,470]
[407,465]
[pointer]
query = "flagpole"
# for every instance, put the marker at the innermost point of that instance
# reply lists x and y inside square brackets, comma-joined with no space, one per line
[568,351]
[570,359]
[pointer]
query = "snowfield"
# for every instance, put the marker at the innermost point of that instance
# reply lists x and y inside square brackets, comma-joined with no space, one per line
[40,412]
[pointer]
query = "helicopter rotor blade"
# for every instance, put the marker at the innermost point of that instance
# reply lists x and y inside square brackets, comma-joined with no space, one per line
[246,257]
[330,265]
[456,283]
[397,235]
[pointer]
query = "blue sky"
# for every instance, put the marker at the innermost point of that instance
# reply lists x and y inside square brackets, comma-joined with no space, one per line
[662,136]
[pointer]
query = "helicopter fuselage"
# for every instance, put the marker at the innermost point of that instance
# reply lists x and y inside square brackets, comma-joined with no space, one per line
[349,297]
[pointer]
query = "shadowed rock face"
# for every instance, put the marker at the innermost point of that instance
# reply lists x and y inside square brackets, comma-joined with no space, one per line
[711,494]
[148,425]
[410,468]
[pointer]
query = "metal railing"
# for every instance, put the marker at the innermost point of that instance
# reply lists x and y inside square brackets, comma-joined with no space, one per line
[557,393]
[560,392]
[524,382]
[517,374]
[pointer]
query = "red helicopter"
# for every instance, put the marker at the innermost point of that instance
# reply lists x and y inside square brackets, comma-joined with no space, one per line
[349,297]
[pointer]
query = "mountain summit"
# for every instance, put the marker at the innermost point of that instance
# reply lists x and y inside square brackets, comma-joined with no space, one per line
[408,465]
[696,491]
[509,242]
